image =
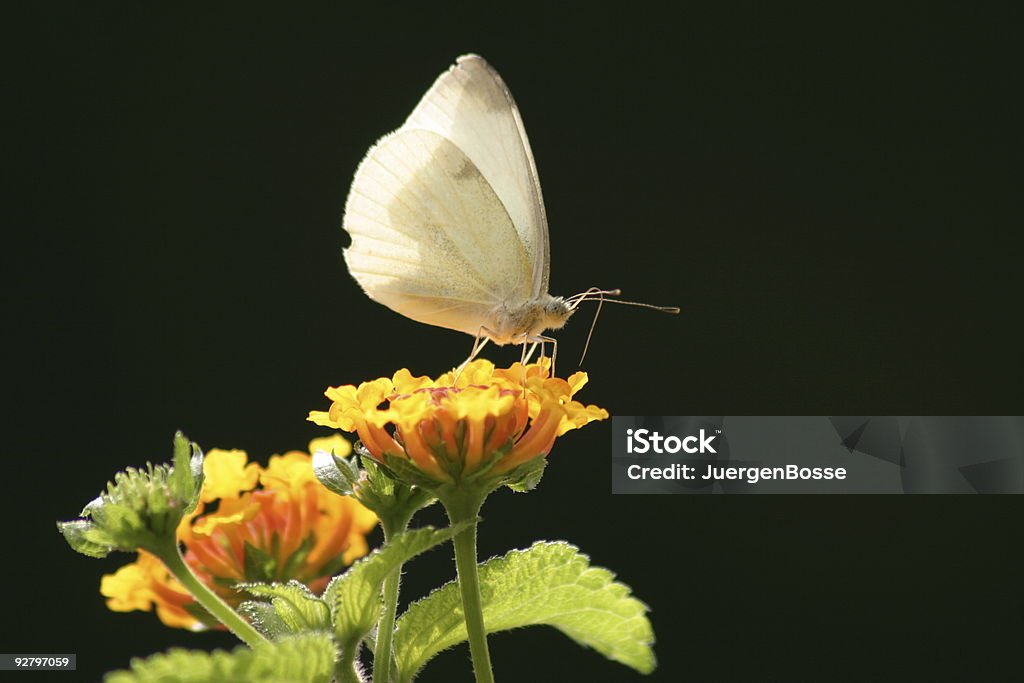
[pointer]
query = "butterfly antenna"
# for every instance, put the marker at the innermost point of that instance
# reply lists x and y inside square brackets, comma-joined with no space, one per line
[600,303]
[595,294]
[663,309]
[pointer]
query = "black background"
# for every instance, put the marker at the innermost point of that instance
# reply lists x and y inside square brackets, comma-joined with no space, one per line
[831,196]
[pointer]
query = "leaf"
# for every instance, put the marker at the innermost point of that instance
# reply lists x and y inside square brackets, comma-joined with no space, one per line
[289,608]
[308,658]
[337,474]
[86,538]
[526,477]
[354,597]
[549,583]
[186,477]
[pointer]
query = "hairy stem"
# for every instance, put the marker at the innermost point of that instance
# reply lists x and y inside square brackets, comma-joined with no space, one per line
[461,509]
[345,670]
[386,625]
[172,559]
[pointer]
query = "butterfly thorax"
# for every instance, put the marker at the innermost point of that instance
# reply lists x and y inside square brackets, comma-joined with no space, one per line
[518,324]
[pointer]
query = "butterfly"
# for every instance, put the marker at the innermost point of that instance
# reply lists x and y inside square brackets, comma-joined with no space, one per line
[447,218]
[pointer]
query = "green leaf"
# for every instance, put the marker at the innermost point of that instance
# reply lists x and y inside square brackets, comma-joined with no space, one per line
[288,608]
[308,658]
[86,538]
[337,474]
[526,477]
[186,477]
[265,619]
[549,583]
[354,597]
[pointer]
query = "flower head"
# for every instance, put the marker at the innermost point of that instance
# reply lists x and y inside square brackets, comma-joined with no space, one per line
[252,524]
[485,421]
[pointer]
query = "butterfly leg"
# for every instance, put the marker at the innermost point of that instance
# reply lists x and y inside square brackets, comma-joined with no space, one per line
[541,339]
[479,342]
[526,356]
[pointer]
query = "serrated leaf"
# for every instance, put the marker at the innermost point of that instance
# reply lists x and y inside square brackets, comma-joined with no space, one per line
[354,597]
[549,583]
[289,608]
[265,619]
[83,536]
[526,477]
[307,658]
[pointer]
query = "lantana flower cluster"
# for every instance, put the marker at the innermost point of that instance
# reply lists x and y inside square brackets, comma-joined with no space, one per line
[482,418]
[253,523]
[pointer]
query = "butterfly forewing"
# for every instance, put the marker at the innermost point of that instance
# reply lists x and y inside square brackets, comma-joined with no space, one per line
[471,106]
[430,237]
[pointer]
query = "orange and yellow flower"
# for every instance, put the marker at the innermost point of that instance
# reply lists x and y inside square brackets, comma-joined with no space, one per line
[252,524]
[454,425]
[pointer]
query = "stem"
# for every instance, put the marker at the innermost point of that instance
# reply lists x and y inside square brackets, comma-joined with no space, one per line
[462,508]
[172,559]
[345,670]
[386,625]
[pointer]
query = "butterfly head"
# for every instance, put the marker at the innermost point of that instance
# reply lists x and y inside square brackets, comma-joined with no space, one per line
[555,311]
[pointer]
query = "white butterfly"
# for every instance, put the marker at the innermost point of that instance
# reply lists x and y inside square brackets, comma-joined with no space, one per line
[447,219]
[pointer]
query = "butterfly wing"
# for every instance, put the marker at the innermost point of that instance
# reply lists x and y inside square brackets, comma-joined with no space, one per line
[471,106]
[430,238]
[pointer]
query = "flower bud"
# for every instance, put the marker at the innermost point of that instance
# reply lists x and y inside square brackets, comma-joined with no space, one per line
[141,508]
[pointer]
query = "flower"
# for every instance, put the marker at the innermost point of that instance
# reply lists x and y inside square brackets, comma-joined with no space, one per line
[252,524]
[483,420]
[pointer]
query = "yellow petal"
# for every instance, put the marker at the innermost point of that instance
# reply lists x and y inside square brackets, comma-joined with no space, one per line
[227,474]
[127,589]
[405,383]
[291,470]
[335,443]
[577,381]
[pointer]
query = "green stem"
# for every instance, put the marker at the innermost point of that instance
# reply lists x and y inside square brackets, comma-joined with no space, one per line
[171,557]
[345,670]
[460,509]
[386,625]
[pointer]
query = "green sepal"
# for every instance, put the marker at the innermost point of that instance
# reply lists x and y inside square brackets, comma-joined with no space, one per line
[374,485]
[291,565]
[406,471]
[550,583]
[305,658]
[354,597]
[284,609]
[481,481]
[259,564]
